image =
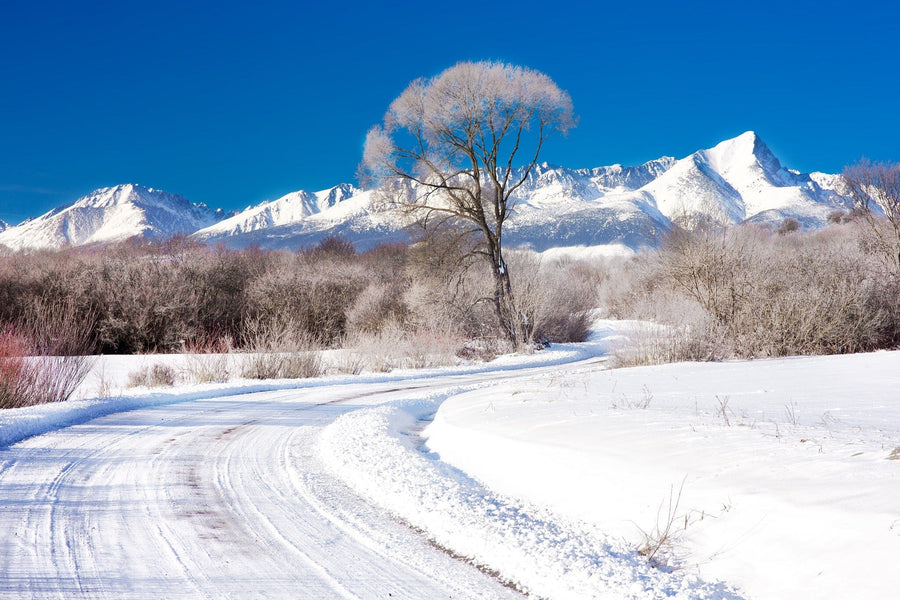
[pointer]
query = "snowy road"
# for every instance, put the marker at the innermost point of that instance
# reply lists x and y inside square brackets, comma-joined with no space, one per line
[537,468]
[221,497]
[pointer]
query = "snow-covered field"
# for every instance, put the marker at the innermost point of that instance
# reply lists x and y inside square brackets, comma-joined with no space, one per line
[770,479]
[780,478]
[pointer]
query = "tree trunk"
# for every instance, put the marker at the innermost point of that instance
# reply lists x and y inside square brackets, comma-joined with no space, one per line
[511,325]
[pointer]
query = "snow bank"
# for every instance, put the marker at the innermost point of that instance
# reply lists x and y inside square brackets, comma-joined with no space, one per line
[377,452]
[789,467]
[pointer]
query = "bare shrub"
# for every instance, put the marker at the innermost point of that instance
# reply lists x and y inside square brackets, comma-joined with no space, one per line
[393,348]
[378,305]
[209,361]
[449,289]
[654,344]
[884,302]
[331,248]
[375,352]
[874,192]
[59,376]
[279,351]
[220,280]
[28,378]
[558,298]
[312,292]
[789,225]
[44,358]
[17,375]
[484,349]
[748,293]
[713,265]
[553,301]
[430,348]
[676,327]
[348,362]
[143,301]
[814,296]
[722,409]
[386,263]
[658,542]
[157,375]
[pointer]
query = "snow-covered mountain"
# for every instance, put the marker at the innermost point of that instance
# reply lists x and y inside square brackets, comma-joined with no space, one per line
[3,225]
[342,211]
[556,206]
[288,209]
[738,180]
[111,214]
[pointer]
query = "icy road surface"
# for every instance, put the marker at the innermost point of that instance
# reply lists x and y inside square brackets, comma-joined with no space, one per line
[221,497]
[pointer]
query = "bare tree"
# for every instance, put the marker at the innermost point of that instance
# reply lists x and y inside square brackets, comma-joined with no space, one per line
[874,190]
[711,263]
[453,150]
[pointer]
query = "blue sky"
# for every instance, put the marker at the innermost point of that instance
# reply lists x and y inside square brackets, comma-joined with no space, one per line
[232,105]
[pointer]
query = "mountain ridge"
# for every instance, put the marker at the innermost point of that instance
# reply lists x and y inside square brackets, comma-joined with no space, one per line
[737,180]
[111,214]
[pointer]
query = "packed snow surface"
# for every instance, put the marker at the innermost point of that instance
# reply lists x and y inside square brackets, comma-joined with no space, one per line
[787,470]
[776,479]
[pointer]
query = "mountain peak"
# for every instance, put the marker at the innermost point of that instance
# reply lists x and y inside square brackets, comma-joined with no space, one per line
[124,189]
[111,214]
[745,144]
[744,151]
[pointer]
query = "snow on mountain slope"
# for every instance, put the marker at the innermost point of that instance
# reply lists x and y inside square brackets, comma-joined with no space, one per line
[288,209]
[547,184]
[735,181]
[4,225]
[587,207]
[555,206]
[738,180]
[111,214]
[628,218]
[348,213]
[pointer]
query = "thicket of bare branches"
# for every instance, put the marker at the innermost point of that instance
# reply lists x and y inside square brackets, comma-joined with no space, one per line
[874,192]
[44,356]
[749,292]
[446,153]
[179,296]
[176,295]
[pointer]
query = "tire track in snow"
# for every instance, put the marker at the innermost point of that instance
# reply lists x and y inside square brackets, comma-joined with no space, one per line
[200,499]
